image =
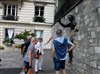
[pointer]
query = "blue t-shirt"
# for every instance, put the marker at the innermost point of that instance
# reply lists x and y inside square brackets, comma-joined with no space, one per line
[26,44]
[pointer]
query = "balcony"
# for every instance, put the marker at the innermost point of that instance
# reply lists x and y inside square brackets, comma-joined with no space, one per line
[10,17]
[66,7]
[39,19]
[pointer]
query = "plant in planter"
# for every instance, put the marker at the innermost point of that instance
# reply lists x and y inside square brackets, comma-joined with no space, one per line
[1,47]
[17,46]
[8,41]
[39,19]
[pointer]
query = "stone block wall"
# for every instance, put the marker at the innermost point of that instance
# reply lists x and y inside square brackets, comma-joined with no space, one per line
[87,50]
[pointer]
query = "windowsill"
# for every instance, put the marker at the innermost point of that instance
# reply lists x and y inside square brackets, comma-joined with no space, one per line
[25,22]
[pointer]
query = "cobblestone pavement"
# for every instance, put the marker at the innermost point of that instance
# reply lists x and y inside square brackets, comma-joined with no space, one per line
[12,62]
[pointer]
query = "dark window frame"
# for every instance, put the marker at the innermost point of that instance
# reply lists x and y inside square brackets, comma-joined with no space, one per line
[11,12]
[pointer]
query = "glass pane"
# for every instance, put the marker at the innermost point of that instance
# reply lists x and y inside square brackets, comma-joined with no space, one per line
[36,13]
[41,34]
[13,7]
[9,7]
[41,13]
[5,8]
[36,8]
[9,10]
[42,8]
[13,12]
[6,33]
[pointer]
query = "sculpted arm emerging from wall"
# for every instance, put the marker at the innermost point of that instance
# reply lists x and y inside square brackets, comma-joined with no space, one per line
[72,23]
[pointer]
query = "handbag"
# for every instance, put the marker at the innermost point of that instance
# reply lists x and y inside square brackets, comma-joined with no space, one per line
[37,55]
[30,71]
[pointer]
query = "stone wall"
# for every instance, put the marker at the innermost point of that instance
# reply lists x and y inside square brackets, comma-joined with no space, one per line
[87,51]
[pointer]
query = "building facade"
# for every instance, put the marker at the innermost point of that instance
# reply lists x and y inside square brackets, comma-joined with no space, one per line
[17,16]
[87,39]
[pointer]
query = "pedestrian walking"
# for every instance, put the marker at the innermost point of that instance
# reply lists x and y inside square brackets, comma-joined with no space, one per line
[59,51]
[25,45]
[29,56]
[39,61]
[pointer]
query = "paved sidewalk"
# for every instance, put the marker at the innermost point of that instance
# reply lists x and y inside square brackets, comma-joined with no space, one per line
[12,62]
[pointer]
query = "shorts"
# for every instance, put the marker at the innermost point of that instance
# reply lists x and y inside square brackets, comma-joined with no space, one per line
[26,64]
[59,64]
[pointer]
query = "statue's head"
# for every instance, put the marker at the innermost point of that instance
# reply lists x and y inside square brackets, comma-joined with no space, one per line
[71,18]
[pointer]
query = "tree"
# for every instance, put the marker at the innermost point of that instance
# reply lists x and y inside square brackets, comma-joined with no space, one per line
[23,35]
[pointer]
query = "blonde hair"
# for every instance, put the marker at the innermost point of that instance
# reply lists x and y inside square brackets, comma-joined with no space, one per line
[33,39]
[29,37]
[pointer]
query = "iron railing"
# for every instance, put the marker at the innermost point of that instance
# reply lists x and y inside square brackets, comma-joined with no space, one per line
[10,17]
[38,19]
[66,8]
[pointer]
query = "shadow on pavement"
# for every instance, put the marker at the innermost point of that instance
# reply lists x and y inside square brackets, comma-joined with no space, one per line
[10,70]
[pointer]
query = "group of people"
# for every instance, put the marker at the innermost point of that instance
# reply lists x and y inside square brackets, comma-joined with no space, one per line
[33,46]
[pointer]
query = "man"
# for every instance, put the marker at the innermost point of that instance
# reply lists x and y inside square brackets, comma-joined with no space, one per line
[70,53]
[59,51]
[28,56]
[25,45]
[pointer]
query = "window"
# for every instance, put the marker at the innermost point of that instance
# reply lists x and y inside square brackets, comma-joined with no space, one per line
[39,11]
[9,34]
[39,14]
[39,33]
[10,12]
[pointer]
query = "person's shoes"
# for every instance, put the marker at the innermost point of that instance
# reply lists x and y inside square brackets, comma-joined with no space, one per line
[22,72]
[36,72]
[41,70]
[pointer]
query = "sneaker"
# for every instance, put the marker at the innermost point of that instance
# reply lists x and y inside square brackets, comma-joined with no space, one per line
[36,72]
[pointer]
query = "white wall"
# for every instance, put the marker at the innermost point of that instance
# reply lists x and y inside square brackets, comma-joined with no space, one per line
[18,28]
[49,13]
[26,13]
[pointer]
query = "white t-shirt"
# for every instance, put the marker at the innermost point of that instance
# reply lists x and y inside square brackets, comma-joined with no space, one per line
[39,46]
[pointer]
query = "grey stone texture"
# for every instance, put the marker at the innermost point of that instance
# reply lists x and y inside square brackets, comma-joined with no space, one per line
[87,40]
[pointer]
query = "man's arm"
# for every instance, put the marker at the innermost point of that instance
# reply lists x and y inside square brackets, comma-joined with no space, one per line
[23,50]
[71,45]
[48,40]
[53,52]
[30,57]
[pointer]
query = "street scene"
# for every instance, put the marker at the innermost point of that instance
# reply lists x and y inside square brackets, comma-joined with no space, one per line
[49,36]
[12,63]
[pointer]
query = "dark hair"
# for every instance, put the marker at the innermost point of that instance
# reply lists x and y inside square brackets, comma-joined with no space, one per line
[59,32]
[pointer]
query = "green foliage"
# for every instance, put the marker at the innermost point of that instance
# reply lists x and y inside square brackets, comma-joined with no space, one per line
[23,35]
[1,47]
[8,41]
[39,19]
[17,46]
